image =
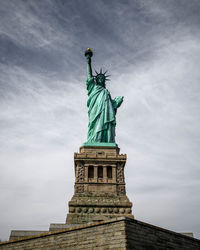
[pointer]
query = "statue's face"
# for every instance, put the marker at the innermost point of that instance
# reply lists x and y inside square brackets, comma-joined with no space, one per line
[100,79]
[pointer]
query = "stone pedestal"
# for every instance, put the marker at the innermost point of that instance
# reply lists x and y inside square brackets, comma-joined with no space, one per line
[100,191]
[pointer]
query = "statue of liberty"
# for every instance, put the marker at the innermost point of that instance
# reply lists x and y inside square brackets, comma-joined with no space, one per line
[102,108]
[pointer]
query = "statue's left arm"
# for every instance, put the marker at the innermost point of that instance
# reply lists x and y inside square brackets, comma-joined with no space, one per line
[117,102]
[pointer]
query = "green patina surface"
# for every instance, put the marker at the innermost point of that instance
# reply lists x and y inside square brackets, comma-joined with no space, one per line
[102,108]
[100,144]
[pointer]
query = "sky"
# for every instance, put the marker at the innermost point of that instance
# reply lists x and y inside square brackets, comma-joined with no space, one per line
[151,49]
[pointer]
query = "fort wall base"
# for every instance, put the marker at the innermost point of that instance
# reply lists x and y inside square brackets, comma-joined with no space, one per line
[121,233]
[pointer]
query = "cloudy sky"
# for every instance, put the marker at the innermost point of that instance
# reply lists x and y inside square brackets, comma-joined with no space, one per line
[151,48]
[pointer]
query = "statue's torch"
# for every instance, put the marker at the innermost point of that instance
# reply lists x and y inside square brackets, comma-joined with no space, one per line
[88,53]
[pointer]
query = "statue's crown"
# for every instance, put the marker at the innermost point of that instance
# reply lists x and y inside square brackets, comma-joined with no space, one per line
[102,74]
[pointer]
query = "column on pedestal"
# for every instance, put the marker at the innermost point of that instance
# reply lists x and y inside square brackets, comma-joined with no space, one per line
[105,174]
[95,173]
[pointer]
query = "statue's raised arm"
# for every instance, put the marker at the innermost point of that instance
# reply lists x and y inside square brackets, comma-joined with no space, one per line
[88,55]
[101,108]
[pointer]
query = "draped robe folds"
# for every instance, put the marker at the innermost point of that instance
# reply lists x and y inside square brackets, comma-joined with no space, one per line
[101,112]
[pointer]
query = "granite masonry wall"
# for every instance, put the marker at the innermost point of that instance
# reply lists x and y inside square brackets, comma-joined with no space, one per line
[142,236]
[93,236]
[121,233]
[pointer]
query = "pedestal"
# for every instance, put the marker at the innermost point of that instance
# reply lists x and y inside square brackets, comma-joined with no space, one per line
[99,190]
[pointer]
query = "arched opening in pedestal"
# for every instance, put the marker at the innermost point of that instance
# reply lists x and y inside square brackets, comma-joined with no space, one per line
[91,172]
[100,172]
[109,172]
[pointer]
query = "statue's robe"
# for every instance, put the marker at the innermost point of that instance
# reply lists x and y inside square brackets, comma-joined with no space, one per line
[101,112]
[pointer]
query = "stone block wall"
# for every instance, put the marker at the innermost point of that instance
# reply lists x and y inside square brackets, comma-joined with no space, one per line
[142,236]
[104,235]
[18,234]
[122,233]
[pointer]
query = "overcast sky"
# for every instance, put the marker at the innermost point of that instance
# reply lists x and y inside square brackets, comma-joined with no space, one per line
[151,49]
